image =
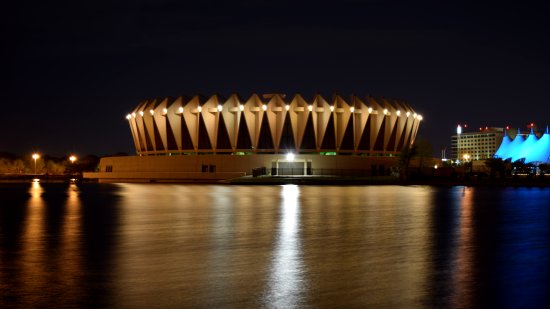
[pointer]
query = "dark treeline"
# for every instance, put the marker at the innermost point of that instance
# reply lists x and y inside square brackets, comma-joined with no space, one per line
[15,164]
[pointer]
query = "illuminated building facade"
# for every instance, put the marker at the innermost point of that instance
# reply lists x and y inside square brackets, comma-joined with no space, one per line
[219,138]
[478,145]
[272,124]
[529,146]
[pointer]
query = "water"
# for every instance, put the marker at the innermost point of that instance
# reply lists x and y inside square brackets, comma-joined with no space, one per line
[174,246]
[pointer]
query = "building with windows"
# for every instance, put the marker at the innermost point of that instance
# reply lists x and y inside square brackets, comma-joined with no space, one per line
[476,145]
[219,138]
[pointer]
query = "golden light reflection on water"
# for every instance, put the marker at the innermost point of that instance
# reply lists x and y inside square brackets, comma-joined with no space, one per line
[286,283]
[70,259]
[463,281]
[34,270]
[283,246]
[207,241]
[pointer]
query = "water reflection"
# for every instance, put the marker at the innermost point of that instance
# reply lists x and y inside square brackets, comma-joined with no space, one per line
[33,273]
[70,257]
[286,283]
[144,245]
[462,273]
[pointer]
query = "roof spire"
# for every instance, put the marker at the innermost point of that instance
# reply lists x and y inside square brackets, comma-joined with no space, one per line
[546,129]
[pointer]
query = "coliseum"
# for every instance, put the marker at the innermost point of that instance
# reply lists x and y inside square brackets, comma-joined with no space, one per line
[201,138]
[272,124]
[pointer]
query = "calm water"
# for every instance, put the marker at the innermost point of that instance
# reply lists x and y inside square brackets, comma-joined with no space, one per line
[173,246]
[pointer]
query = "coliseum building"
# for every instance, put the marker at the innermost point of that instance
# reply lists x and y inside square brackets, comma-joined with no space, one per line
[210,138]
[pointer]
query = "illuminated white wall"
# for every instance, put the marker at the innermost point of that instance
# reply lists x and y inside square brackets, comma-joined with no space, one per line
[532,149]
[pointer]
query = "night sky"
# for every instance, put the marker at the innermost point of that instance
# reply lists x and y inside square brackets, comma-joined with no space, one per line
[74,69]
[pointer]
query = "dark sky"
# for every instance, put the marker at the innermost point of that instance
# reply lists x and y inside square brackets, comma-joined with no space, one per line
[76,68]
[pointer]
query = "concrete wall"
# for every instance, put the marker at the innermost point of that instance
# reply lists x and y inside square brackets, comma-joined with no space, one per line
[218,167]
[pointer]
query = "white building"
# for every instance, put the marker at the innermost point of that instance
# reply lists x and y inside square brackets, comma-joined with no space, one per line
[476,145]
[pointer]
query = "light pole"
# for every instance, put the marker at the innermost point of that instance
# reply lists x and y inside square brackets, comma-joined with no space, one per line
[458,132]
[35,156]
[72,158]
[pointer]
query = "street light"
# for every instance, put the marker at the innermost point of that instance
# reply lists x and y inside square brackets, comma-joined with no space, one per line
[35,156]
[458,133]
[72,158]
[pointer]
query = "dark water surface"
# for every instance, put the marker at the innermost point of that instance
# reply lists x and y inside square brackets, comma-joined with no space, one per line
[174,246]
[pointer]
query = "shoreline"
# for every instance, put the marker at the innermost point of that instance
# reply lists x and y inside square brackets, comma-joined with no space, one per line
[523,181]
[383,181]
[7,178]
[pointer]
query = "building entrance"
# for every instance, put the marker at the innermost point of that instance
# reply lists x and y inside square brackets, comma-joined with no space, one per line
[291,168]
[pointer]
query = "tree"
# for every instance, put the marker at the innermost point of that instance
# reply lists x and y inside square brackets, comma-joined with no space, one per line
[544,168]
[424,151]
[407,153]
[495,165]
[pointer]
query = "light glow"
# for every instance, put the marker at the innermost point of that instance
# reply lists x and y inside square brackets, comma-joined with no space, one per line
[152,112]
[264,107]
[408,114]
[385,111]
[35,157]
[352,109]
[287,107]
[370,110]
[310,108]
[164,111]
[199,108]
[290,156]
[241,107]
[128,116]
[134,115]
[220,108]
[514,147]
[180,110]
[332,108]
[72,158]
[398,113]
[141,113]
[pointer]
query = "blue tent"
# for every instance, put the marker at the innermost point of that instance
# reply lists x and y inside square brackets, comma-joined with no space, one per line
[526,148]
[514,147]
[504,148]
[541,150]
